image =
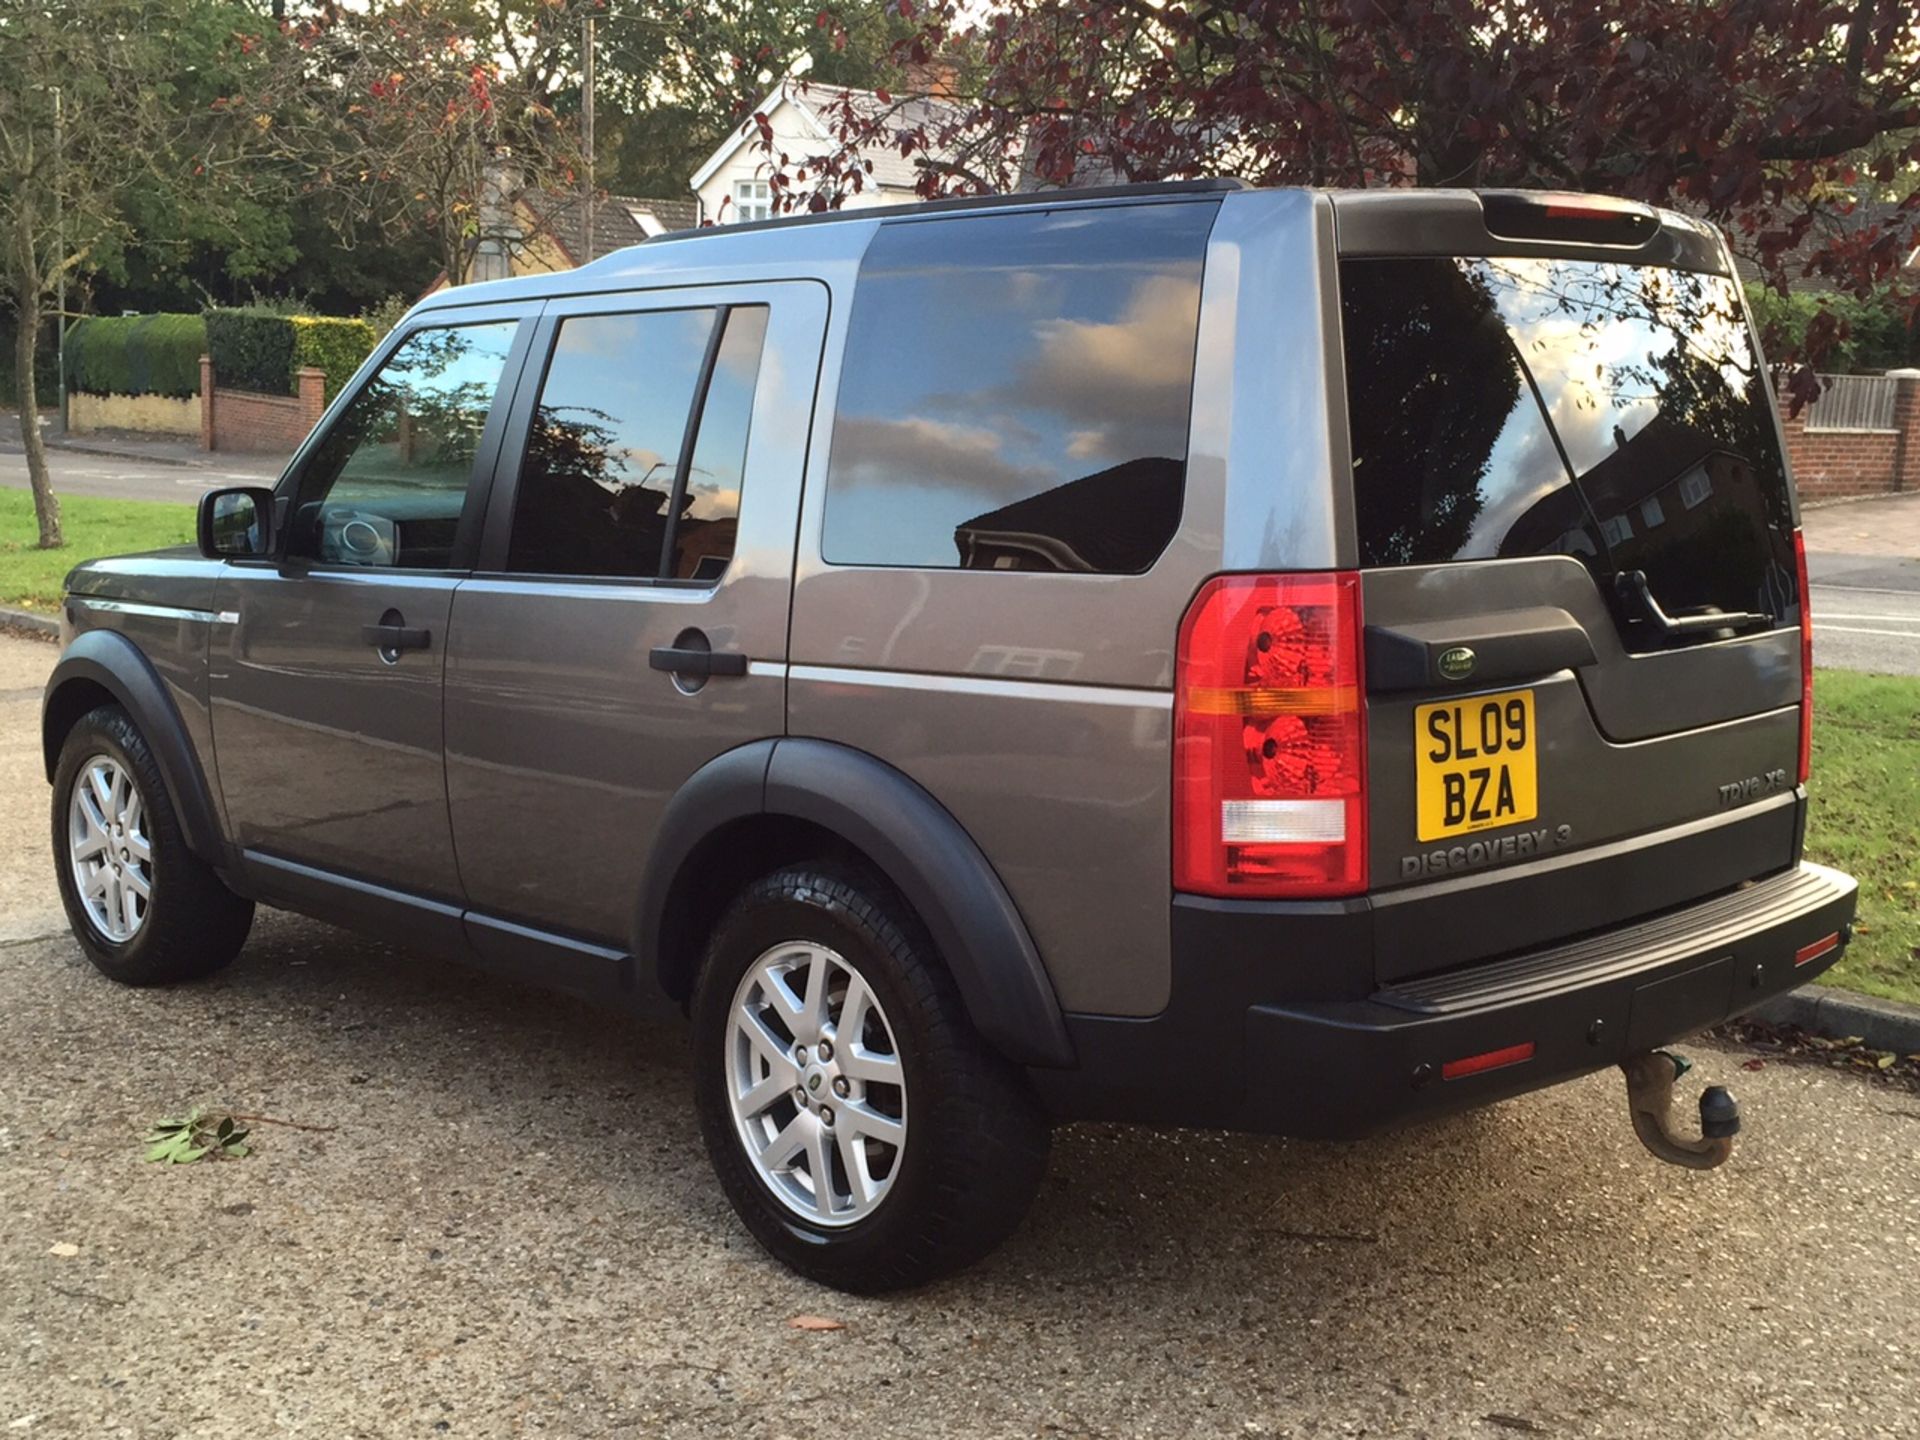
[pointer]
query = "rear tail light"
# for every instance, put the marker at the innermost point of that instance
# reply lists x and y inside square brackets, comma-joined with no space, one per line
[1806,656]
[1270,739]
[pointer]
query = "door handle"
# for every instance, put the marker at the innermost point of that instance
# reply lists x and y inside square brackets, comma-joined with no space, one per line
[396,637]
[696,660]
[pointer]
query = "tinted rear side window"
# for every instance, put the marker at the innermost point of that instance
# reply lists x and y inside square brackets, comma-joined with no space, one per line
[1617,413]
[597,483]
[1015,391]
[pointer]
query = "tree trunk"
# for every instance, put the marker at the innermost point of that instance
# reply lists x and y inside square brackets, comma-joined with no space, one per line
[26,349]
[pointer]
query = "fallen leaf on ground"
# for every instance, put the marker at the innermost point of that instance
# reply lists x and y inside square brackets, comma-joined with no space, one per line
[65,1249]
[815,1322]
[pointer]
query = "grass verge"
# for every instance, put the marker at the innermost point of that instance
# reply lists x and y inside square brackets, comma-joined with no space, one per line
[30,577]
[1865,819]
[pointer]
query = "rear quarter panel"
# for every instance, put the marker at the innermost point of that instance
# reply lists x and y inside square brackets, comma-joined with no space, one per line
[1037,707]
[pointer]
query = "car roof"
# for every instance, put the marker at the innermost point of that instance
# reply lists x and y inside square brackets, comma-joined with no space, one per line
[785,247]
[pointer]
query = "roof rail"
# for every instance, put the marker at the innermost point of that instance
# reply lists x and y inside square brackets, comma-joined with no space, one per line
[1217,185]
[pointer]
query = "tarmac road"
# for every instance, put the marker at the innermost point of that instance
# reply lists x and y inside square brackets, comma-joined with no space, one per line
[507,1228]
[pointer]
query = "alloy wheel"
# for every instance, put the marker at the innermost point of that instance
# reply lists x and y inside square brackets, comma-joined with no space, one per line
[108,848]
[816,1084]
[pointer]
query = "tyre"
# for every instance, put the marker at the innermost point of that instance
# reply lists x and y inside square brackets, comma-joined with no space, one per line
[863,1131]
[145,909]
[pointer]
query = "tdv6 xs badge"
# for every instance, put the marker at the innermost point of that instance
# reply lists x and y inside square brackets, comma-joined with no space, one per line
[1752,788]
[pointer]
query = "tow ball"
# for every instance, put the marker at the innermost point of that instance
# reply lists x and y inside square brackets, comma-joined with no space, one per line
[1650,1079]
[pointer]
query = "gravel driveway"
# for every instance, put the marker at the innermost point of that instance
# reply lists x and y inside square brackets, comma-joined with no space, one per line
[507,1228]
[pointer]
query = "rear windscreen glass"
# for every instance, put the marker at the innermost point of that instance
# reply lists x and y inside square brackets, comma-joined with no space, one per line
[1615,413]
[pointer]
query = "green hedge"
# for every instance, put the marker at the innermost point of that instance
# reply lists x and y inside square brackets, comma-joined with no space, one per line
[261,349]
[334,346]
[252,349]
[136,355]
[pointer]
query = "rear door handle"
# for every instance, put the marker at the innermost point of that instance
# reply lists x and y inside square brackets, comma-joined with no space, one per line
[396,637]
[1497,645]
[692,660]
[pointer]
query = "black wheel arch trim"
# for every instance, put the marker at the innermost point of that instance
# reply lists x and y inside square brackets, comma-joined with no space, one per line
[918,846]
[114,663]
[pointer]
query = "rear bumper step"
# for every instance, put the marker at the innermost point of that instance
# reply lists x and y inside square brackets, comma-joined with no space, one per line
[1343,1068]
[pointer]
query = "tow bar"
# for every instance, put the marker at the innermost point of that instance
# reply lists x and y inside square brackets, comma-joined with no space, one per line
[1650,1079]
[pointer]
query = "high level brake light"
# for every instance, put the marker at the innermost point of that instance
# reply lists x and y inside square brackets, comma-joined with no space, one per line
[1270,791]
[1806,656]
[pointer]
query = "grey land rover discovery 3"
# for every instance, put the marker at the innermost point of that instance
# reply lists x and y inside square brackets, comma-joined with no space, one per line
[1277,660]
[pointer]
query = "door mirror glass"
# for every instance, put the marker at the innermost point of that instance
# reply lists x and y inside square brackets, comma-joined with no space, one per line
[234,523]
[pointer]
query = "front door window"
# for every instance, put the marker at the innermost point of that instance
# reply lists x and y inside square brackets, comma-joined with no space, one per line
[389,481]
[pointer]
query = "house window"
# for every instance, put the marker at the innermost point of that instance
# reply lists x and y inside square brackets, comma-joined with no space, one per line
[752,200]
[1616,530]
[1695,486]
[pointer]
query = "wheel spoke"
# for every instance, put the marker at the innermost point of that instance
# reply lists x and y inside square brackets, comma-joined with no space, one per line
[789,1142]
[860,1182]
[853,1010]
[863,1119]
[821,1170]
[764,1093]
[92,845]
[141,847]
[133,814]
[101,783]
[97,883]
[136,882]
[766,1041]
[129,904]
[813,1019]
[859,1063]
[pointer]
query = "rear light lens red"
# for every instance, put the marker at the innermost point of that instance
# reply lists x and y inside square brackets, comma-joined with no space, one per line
[1826,945]
[1270,739]
[1489,1060]
[1806,656]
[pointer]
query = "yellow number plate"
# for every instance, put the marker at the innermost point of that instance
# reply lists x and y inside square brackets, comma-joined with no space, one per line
[1474,765]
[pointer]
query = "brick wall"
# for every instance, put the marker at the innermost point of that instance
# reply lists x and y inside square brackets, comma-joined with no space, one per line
[1835,464]
[269,424]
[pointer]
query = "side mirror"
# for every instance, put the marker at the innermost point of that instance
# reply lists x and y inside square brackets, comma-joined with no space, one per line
[236,523]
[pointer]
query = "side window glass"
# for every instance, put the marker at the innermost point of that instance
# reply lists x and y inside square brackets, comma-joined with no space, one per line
[710,510]
[389,481]
[1015,391]
[605,442]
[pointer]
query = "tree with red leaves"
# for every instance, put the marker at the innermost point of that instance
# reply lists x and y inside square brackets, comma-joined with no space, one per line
[1771,117]
[401,116]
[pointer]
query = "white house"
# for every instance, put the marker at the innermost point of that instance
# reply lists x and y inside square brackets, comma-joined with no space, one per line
[732,186]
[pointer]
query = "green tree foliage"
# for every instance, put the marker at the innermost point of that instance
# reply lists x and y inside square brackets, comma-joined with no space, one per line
[137,355]
[1880,332]
[90,114]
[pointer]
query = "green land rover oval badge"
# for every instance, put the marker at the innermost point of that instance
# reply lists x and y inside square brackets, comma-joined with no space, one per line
[1456,664]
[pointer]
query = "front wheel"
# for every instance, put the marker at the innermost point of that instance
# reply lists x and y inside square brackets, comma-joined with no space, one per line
[146,910]
[863,1131]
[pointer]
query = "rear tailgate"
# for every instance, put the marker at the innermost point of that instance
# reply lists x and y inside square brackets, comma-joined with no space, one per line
[1577,538]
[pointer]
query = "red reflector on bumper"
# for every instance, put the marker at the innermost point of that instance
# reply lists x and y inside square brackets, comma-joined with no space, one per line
[1491,1060]
[1806,954]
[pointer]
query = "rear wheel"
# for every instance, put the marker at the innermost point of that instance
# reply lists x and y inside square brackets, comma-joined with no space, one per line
[863,1131]
[145,909]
